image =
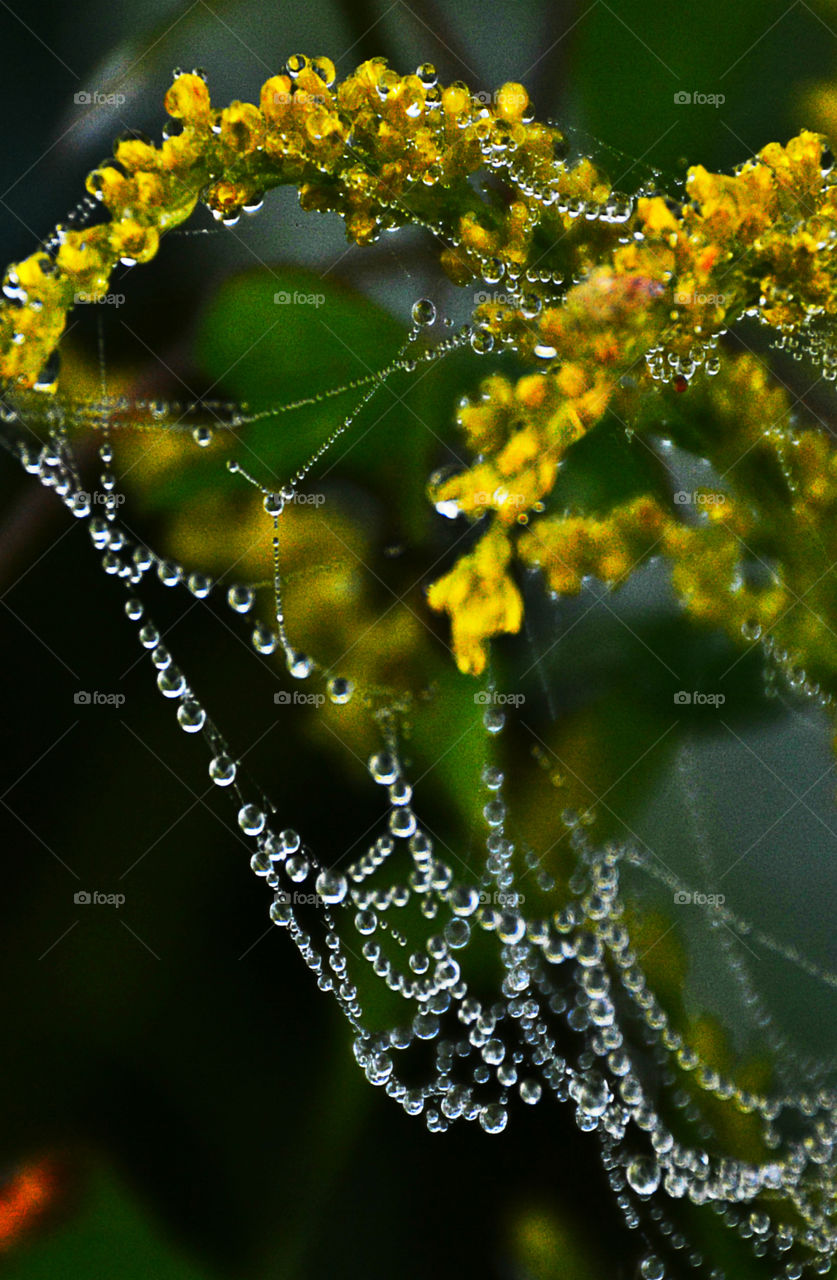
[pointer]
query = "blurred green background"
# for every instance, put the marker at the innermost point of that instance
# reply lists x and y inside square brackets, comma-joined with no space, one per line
[197,1093]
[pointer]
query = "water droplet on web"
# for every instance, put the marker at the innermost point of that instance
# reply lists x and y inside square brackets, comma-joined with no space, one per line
[530,1091]
[281,912]
[297,867]
[643,1175]
[482,342]
[494,719]
[339,689]
[202,436]
[494,1118]
[423,312]
[383,767]
[191,716]
[241,598]
[651,1268]
[331,887]
[222,770]
[300,665]
[251,819]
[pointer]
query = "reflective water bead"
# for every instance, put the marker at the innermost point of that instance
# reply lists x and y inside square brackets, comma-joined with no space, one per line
[423,312]
[530,1091]
[457,933]
[202,436]
[493,719]
[651,1268]
[339,689]
[222,770]
[331,886]
[383,767]
[482,342]
[400,792]
[281,912]
[251,819]
[191,716]
[300,665]
[289,841]
[169,573]
[199,585]
[494,1118]
[643,1174]
[402,822]
[297,867]
[366,922]
[263,639]
[241,598]
[171,682]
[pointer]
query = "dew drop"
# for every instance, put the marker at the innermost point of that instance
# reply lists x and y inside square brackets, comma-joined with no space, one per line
[251,819]
[222,770]
[423,312]
[331,886]
[643,1175]
[191,716]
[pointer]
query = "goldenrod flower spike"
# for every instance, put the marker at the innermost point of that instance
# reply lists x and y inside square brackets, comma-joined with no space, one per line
[657,282]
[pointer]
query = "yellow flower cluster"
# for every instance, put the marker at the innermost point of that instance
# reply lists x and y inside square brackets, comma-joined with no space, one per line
[379,149]
[657,282]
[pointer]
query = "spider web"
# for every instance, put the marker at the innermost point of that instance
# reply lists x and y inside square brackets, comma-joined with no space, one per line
[517,980]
